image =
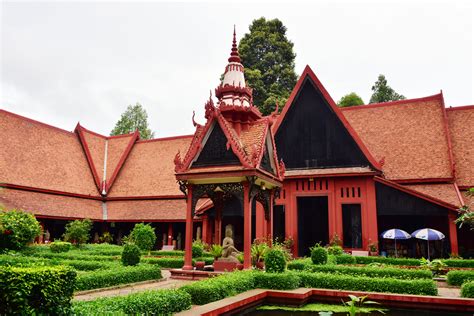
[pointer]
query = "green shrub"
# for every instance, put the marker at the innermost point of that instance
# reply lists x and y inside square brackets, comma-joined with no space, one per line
[389,285]
[345,259]
[17,229]
[9,260]
[214,289]
[167,253]
[403,274]
[207,260]
[106,238]
[467,290]
[60,246]
[174,263]
[299,264]
[160,302]
[388,260]
[84,265]
[335,250]
[78,231]
[275,260]
[119,275]
[197,249]
[130,255]
[143,235]
[459,277]
[36,290]
[319,255]
[277,281]
[459,263]
[73,256]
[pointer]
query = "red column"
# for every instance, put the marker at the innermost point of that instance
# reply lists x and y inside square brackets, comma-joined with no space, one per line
[217,226]
[205,228]
[269,223]
[188,254]
[453,234]
[259,221]
[371,230]
[247,227]
[170,234]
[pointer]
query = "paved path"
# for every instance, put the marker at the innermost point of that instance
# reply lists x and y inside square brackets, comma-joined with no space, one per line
[449,292]
[167,283]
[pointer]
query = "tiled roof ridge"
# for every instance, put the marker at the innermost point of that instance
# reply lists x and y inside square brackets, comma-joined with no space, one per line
[103,136]
[37,122]
[460,108]
[85,147]
[398,102]
[167,138]
[448,137]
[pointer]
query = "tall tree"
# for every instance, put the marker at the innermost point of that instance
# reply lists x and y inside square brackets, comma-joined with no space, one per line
[382,92]
[350,99]
[135,117]
[269,62]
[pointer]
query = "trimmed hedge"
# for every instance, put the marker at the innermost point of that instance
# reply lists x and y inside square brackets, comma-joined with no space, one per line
[277,281]
[275,260]
[170,253]
[467,290]
[403,274]
[161,302]
[36,290]
[389,285]
[214,289]
[60,246]
[131,255]
[6,260]
[459,277]
[73,256]
[459,263]
[119,275]
[319,255]
[173,263]
[299,264]
[388,260]
[344,259]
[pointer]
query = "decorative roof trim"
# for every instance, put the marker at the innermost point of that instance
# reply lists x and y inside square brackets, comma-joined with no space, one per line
[460,108]
[163,139]
[448,136]
[423,181]
[308,72]
[398,102]
[80,132]
[48,191]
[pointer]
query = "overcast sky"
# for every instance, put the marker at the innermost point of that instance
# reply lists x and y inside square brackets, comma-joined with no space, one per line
[64,62]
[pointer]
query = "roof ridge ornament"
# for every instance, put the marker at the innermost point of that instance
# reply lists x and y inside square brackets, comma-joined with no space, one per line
[234,53]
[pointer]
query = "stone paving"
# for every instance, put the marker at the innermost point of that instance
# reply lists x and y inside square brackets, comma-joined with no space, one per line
[167,283]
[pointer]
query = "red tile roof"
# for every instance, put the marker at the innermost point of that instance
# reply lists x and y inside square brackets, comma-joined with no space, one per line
[38,155]
[147,210]
[461,127]
[468,199]
[445,192]
[149,168]
[51,205]
[408,137]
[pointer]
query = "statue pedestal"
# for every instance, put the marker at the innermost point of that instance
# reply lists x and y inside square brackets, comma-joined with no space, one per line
[221,265]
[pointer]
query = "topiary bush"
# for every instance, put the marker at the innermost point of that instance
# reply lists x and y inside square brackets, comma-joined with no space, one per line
[345,259]
[60,246]
[277,281]
[197,249]
[467,290]
[130,255]
[36,290]
[335,250]
[459,277]
[143,235]
[78,231]
[17,229]
[319,255]
[275,260]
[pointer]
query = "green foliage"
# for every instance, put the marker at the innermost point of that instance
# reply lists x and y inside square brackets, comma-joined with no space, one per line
[60,246]
[269,62]
[335,250]
[107,238]
[350,99]
[134,118]
[466,212]
[356,304]
[36,290]
[78,231]
[382,92]
[459,263]
[24,261]
[458,277]
[319,255]
[167,253]
[174,263]
[216,251]
[277,281]
[275,260]
[388,260]
[403,274]
[197,249]
[143,235]
[299,264]
[130,255]
[436,266]
[117,275]
[345,259]
[161,302]
[467,290]
[214,289]
[258,250]
[17,229]
[359,283]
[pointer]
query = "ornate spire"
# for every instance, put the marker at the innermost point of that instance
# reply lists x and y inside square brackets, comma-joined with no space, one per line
[234,53]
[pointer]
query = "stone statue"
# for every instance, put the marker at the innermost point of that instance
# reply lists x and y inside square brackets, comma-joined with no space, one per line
[198,233]
[47,235]
[178,241]
[229,252]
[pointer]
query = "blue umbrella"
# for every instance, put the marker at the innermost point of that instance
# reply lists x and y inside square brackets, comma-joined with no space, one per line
[395,234]
[428,234]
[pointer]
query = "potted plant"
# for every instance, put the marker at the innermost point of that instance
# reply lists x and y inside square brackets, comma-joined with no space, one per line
[373,251]
[258,252]
[216,251]
[240,265]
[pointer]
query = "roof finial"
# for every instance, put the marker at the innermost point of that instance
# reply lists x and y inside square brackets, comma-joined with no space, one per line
[234,54]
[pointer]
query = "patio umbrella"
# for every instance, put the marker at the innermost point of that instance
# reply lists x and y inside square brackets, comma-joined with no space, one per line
[395,234]
[428,234]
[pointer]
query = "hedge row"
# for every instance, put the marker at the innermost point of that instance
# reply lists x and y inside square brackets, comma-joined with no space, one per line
[299,264]
[459,263]
[72,256]
[388,260]
[170,253]
[173,263]
[345,259]
[161,302]
[467,290]
[386,272]
[459,277]
[277,281]
[119,275]
[36,290]
[390,285]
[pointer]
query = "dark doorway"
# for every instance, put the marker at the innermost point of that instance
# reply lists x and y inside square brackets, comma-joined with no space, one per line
[352,225]
[279,223]
[312,223]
